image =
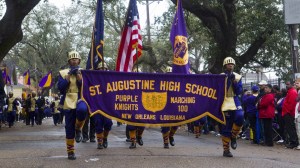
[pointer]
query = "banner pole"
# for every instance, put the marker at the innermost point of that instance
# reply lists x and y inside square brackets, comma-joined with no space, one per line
[137,58]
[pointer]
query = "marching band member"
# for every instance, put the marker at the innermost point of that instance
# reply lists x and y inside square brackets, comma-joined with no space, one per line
[231,107]
[102,124]
[11,109]
[69,84]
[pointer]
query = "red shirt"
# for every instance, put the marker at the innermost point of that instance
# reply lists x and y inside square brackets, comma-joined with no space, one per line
[266,106]
[289,103]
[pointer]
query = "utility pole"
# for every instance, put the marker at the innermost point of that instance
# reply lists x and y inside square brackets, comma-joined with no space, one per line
[148,19]
[294,47]
[292,19]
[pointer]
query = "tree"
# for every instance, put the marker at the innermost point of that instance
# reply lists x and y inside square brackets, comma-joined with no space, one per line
[240,29]
[10,25]
[49,33]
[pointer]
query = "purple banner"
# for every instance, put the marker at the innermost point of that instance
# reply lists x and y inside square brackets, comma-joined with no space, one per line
[152,99]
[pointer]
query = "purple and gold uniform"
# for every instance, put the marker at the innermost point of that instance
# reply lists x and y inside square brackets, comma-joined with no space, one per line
[135,134]
[11,109]
[231,107]
[102,124]
[32,107]
[168,135]
[75,111]
[198,125]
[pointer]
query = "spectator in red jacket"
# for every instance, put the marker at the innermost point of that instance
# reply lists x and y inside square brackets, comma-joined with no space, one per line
[266,109]
[288,113]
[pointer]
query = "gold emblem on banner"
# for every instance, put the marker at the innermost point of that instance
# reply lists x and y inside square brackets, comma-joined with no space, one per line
[181,56]
[154,101]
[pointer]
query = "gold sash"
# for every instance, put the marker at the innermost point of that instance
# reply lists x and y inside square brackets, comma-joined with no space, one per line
[72,91]
[10,104]
[229,103]
[33,102]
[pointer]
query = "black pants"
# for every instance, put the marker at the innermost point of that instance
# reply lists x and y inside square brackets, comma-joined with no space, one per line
[27,118]
[31,117]
[39,116]
[268,131]
[61,117]
[55,118]
[290,129]
[127,132]
[86,132]
[252,122]
[280,122]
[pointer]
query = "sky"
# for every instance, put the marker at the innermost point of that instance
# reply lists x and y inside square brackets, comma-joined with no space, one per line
[156,9]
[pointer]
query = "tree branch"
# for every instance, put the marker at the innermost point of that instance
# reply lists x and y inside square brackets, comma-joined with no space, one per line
[254,47]
[10,25]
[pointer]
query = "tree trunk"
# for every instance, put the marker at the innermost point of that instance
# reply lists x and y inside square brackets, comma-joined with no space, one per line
[10,25]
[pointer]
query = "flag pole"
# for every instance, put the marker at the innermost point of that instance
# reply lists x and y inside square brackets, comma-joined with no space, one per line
[92,50]
[137,58]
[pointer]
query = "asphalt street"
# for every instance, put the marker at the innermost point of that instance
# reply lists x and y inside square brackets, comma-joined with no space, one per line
[44,146]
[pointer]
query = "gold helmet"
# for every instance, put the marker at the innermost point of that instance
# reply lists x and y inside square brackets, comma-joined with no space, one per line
[169,69]
[228,60]
[73,54]
[136,69]
[102,67]
[33,93]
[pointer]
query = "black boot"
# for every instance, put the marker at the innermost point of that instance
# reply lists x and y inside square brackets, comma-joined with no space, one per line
[71,156]
[172,142]
[166,145]
[227,154]
[84,140]
[133,145]
[100,146]
[78,136]
[105,144]
[233,143]
[140,141]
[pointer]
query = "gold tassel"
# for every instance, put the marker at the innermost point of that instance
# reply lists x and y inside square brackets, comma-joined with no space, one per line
[70,145]
[166,137]
[197,131]
[100,138]
[79,124]
[225,141]
[139,133]
[132,135]
[235,130]
[173,131]
[105,134]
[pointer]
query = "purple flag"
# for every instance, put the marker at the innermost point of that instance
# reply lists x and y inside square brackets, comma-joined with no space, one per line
[96,51]
[8,81]
[4,75]
[178,38]
[46,81]
[26,76]
[149,99]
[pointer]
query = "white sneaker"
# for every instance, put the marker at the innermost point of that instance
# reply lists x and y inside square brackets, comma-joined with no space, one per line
[298,147]
[212,132]
[280,141]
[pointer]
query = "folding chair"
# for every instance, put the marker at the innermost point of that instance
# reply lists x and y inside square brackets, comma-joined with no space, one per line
[276,135]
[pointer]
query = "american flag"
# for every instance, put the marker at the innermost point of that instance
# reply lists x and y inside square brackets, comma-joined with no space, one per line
[130,48]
